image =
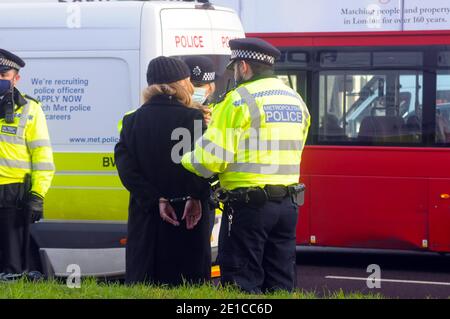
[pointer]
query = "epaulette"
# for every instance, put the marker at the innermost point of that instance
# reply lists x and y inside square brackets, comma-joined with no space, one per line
[222,97]
[31,98]
[129,112]
[129,116]
[19,100]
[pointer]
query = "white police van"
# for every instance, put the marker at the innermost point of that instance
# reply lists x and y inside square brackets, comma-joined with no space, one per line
[86,63]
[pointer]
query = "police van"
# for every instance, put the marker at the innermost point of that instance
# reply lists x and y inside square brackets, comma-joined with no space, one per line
[86,64]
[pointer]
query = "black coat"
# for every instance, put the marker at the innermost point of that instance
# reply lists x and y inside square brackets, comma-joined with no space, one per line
[158,252]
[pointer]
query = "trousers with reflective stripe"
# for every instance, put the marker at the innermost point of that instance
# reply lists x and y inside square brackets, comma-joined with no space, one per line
[255,137]
[25,148]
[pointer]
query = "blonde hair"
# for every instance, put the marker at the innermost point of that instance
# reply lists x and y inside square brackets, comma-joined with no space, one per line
[182,90]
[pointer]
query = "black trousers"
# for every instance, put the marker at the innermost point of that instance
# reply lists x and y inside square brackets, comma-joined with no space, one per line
[259,254]
[11,240]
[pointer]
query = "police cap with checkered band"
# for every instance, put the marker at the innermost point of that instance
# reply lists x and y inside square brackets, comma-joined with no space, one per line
[252,49]
[202,69]
[10,61]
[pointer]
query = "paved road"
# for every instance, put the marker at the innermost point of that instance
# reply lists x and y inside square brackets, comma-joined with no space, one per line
[403,274]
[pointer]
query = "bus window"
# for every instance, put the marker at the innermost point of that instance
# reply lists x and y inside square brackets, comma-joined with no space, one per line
[370,107]
[333,59]
[289,80]
[443,107]
[295,80]
[444,58]
[337,95]
[292,59]
[289,68]
[397,59]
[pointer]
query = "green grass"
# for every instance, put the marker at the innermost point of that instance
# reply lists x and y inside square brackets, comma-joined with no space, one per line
[90,289]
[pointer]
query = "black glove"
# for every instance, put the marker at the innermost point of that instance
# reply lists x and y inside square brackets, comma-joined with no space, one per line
[34,207]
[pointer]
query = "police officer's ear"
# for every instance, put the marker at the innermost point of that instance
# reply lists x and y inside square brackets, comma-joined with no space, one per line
[16,77]
[245,69]
[211,88]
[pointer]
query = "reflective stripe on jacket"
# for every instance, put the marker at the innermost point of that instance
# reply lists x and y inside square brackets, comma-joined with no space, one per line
[25,148]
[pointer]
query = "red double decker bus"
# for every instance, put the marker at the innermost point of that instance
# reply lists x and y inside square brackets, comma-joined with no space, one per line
[377,83]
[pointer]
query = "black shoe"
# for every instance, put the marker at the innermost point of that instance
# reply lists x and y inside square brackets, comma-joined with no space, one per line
[34,276]
[30,276]
[10,277]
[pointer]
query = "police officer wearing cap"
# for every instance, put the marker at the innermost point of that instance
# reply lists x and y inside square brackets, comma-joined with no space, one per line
[254,143]
[26,165]
[203,76]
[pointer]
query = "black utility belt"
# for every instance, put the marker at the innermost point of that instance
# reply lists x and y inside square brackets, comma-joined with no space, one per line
[258,196]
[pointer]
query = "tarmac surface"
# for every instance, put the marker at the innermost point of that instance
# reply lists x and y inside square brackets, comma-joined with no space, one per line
[393,274]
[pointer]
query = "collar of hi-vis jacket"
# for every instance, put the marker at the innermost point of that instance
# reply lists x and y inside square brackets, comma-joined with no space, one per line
[256,78]
[19,100]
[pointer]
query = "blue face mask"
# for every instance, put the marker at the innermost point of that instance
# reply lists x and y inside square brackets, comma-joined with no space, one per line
[199,95]
[5,86]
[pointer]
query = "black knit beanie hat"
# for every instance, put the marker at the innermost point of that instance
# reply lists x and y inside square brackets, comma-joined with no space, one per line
[163,70]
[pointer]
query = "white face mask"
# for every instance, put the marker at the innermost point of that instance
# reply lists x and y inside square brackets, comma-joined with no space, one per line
[199,95]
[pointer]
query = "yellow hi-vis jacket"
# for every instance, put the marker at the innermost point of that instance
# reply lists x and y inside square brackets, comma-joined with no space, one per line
[25,147]
[255,138]
[120,123]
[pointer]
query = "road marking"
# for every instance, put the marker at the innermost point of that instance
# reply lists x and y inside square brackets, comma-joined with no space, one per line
[391,280]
